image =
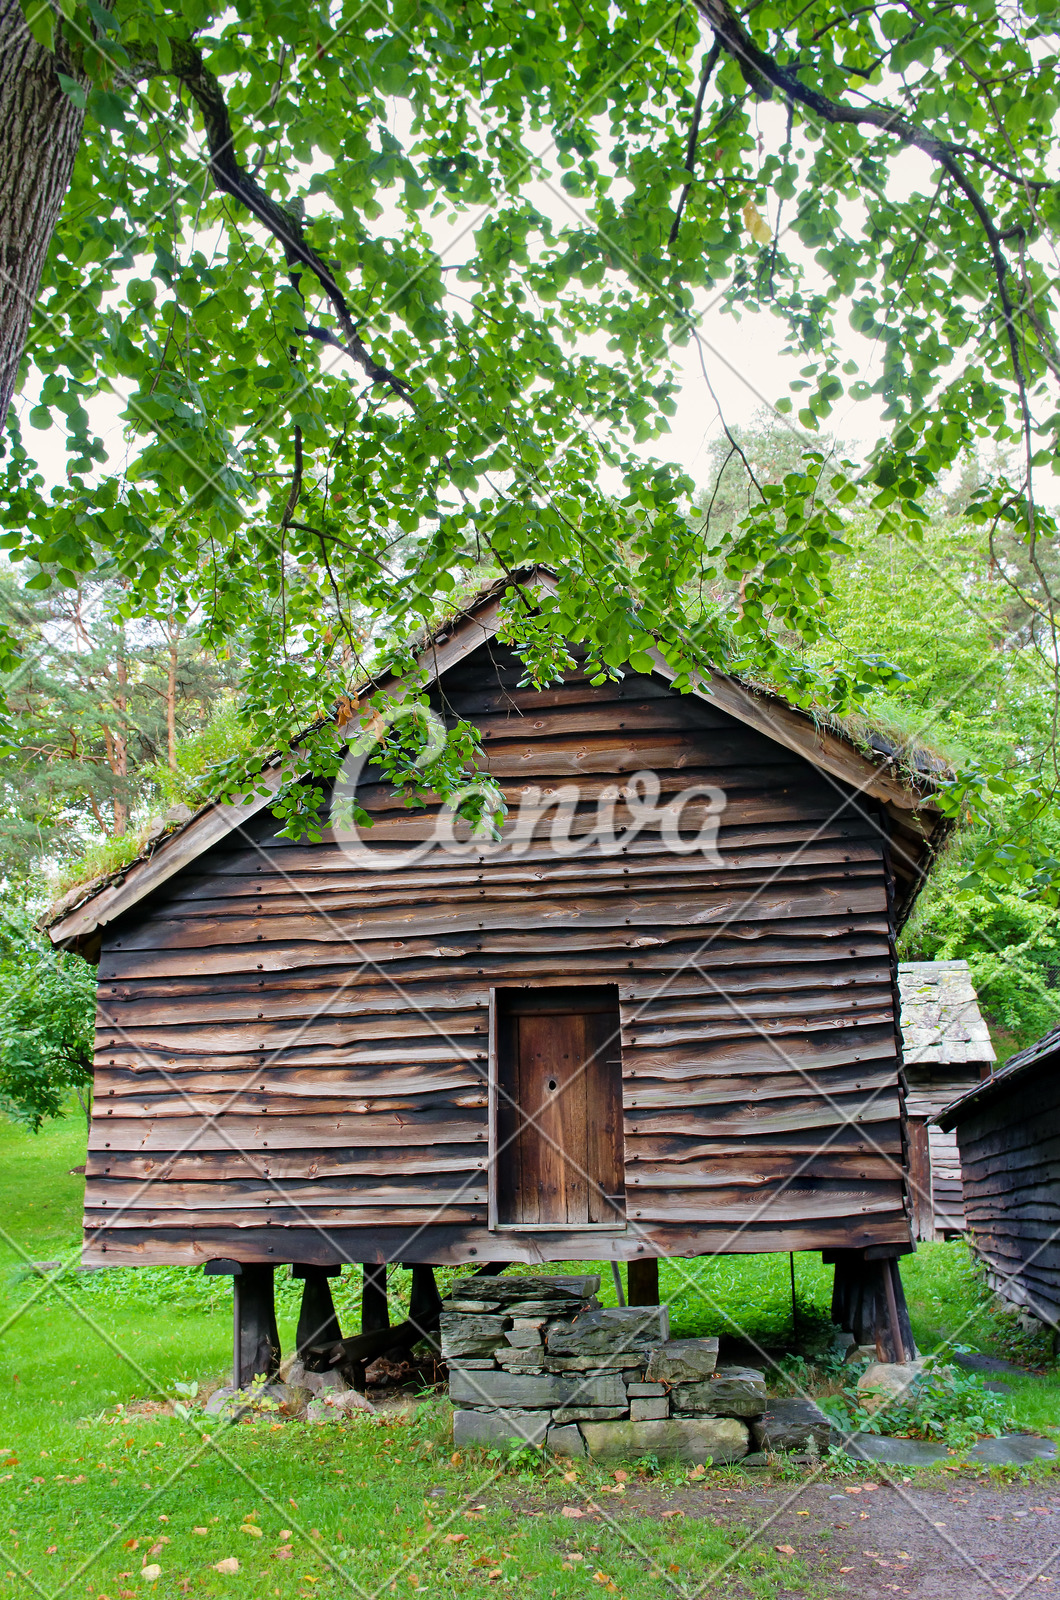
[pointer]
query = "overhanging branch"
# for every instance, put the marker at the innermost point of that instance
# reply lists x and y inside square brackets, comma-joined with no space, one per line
[282,223]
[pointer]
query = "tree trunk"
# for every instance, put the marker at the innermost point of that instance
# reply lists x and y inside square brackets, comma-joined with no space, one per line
[40,130]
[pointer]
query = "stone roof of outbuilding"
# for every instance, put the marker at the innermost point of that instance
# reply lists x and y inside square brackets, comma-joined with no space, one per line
[941,1022]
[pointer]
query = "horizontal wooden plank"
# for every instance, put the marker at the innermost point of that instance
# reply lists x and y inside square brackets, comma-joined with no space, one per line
[769,1117]
[419,1040]
[769,1090]
[150,1002]
[778,1205]
[796,1144]
[371,1163]
[284,1216]
[466,1187]
[256,1134]
[497,889]
[251,1103]
[470,1245]
[511,957]
[511,874]
[538,915]
[756,844]
[757,1170]
[116,1084]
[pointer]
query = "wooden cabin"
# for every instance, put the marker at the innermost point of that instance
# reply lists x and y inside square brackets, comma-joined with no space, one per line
[1008,1131]
[611,1044]
[947,1049]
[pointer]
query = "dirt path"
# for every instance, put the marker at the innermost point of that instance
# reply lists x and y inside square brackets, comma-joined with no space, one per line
[954,1542]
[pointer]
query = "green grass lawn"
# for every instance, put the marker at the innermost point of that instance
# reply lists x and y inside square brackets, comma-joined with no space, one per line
[99,1483]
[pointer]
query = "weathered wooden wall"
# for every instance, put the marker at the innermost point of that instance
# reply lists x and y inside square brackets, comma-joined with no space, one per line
[1010,1157]
[291,1052]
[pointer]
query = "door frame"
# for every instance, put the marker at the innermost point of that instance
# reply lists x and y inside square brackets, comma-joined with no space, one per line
[492,1221]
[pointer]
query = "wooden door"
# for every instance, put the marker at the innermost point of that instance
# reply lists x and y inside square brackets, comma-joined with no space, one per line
[558,1156]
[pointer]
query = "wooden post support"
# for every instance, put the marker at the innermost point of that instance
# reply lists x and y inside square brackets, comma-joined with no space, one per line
[375,1313]
[425,1303]
[317,1321]
[255,1338]
[642,1281]
[869,1302]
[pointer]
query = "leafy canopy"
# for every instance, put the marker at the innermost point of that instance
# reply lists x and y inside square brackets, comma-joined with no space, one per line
[47,1024]
[390,290]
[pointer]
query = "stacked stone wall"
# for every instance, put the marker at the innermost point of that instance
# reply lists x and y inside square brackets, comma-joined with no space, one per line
[539,1360]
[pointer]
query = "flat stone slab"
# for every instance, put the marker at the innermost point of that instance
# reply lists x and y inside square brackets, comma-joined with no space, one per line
[692,1441]
[469,1307]
[551,1308]
[619,1329]
[683,1361]
[972,1361]
[566,1441]
[1013,1449]
[628,1361]
[731,1392]
[469,1335]
[499,1427]
[561,1287]
[898,1452]
[564,1414]
[530,1390]
[792,1425]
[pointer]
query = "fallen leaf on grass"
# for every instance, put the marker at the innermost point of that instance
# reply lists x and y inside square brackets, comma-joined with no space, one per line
[248,1527]
[853,1488]
[199,1530]
[903,1555]
[126,1594]
[131,1544]
[51,1550]
[846,1569]
[455,1538]
[151,1573]
[698,1471]
[493,1575]
[284,1553]
[785,1549]
[607,1581]
[672,1514]
[620,1476]
[571,1511]
[802,1513]
[570,1477]
[229,1564]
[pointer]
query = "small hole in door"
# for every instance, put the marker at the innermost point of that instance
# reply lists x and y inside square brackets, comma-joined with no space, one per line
[552,1083]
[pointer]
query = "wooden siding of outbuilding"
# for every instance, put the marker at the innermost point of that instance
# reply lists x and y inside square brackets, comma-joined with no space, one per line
[1010,1158]
[292,1052]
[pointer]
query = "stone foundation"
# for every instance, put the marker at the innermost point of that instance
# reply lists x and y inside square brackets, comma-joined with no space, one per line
[539,1360]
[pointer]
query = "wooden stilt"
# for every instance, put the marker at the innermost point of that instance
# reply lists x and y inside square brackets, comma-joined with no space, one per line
[317,1321]
[425,1303]
[255,1338]
[375,1313]
[642,1281]
[869,1302]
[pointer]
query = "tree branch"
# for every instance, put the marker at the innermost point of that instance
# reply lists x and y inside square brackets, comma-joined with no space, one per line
[281,221]
[693,133]
[762,75]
